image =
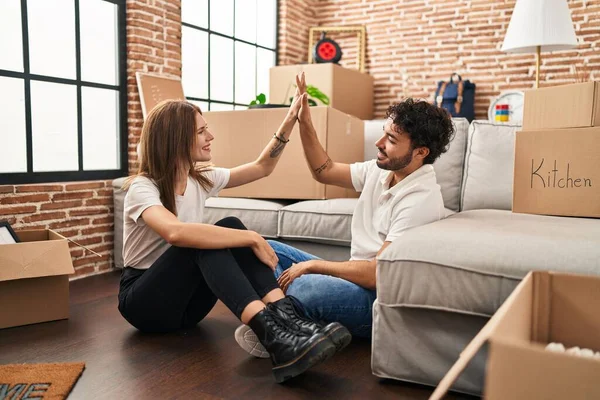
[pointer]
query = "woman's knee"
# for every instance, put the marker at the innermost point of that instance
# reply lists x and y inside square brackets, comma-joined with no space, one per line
[231,222]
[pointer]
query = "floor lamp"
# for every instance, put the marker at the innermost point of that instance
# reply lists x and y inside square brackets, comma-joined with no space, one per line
[539,25]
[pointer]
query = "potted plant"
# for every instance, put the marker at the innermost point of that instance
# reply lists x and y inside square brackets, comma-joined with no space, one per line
[313,92]
[261,102]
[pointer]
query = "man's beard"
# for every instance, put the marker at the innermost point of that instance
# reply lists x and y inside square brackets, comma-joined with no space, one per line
[395,164]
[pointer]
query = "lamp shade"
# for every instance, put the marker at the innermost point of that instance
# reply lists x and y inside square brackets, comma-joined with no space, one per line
[544,23]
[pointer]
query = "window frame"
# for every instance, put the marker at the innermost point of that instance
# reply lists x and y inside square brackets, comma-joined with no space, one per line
[18,178]
[210,32]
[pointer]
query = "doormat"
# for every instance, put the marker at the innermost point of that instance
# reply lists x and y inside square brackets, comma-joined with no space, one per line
[39,381]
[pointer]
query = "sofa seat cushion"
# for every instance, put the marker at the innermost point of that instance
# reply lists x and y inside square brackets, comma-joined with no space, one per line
[321,221]
[258,215]
[471,261]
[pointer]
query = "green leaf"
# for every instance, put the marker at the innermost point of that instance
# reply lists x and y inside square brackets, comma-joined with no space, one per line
[311,102]
[262,99]
[253,103]
[317,94]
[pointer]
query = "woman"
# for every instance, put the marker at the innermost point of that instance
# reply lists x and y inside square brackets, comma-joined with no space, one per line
[177,267]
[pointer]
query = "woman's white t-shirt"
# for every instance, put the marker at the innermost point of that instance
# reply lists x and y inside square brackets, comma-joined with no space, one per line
[141,245]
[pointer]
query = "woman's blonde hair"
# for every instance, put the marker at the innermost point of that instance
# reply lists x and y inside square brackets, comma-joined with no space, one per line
[168,136]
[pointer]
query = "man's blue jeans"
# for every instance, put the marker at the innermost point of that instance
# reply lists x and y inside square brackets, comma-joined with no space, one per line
[327,298]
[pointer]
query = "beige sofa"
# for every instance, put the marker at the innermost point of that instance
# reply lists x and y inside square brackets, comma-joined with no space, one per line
[441,282]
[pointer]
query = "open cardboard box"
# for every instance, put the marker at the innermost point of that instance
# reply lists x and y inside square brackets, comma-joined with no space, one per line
[545,307]
[34,278]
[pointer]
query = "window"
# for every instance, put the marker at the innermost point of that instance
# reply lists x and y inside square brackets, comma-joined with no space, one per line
[63,109]
[227,49]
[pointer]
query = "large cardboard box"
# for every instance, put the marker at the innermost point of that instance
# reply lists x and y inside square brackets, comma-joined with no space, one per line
[557,172]
[34,278]
[349,90]
[545,307]
[240,137]
[568,106]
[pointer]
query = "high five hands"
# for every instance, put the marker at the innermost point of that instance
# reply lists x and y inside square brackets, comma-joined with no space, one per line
[304,111]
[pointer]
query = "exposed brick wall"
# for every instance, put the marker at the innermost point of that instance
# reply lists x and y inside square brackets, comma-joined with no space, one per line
[153,46]
[81,211]
[295,17]
[413,44]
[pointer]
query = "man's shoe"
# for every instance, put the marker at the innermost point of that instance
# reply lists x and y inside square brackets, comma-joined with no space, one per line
[292,352]
[248,341]
[288,308]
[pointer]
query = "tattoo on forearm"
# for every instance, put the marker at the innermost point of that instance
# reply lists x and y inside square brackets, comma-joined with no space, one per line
[324,166]
[277,149]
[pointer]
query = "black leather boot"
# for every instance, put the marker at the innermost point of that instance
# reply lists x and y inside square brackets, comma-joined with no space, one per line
[288,309]
[292,352]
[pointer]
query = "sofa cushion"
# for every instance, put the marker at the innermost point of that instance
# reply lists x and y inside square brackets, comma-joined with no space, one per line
[118,202]
[448,168]
[322,221]
[258,215]
[471,261]
[489,165]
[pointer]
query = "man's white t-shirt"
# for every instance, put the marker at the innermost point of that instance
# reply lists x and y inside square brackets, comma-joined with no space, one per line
[383,214]
[141,245]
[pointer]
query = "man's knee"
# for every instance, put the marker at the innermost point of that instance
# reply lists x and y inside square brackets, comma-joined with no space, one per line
[311,292]
[231,222]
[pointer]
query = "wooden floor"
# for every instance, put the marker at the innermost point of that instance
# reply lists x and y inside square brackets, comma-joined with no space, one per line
[204,362]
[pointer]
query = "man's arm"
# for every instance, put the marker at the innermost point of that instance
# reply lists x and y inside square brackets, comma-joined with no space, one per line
[266,162]
[322,167]
[361,272]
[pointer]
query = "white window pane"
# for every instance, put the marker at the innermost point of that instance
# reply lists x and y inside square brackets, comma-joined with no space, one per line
[51,26]
[202,104]
[245,73]
[240,107]
[12,125]
[221,68]
[265,59]
[245,20]
[54,125]
[266,22]
[98,22]
[195,12]
[194,62]
[11,35]
[220,107]
[221,16]
[100,120]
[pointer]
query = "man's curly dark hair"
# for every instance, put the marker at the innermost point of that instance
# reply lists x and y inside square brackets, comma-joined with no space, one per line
[426,124]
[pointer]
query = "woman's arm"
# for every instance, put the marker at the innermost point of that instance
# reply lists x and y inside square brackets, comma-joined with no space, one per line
[266,162]
[205,236]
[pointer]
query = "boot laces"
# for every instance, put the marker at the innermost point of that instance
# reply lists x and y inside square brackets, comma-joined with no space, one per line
[278,326]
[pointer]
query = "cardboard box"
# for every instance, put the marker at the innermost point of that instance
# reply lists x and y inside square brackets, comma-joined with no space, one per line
[240,137]
[568,106]
[557,172]
[545,307]
[34,279]
[349,90]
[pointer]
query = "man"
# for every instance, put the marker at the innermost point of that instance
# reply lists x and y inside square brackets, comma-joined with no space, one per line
[399,191]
